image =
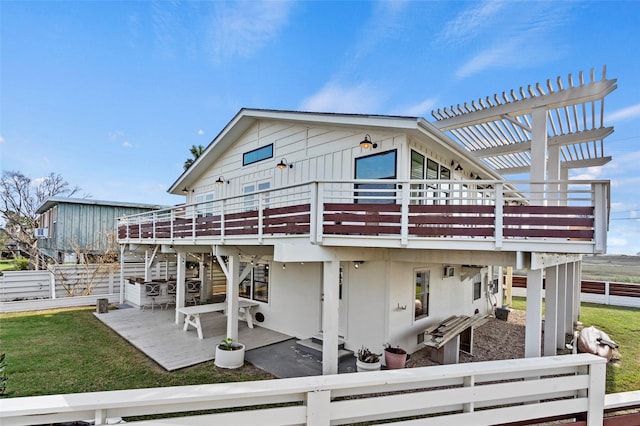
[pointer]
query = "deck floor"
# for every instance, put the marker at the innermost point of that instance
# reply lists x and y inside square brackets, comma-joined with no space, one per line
[158,336]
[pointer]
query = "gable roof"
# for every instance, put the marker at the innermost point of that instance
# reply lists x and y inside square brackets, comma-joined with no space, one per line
[246,117]
[53,201]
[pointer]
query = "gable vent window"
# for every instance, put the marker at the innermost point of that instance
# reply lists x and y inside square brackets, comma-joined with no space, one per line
[256,155]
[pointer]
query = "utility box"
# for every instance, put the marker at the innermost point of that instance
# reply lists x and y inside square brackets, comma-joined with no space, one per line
[102,306]
[502,313]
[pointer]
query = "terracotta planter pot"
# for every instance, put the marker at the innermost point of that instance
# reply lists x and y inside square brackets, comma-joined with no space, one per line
[394,358]
[368,366]
[230,359]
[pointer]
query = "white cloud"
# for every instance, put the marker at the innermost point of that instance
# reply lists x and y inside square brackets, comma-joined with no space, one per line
[421,109]
[500,54]
[240,28]
[590,173]
[115,135]
[624,114]
[1,139]
[334,97]
[469,22]
[126,144]
[200,132]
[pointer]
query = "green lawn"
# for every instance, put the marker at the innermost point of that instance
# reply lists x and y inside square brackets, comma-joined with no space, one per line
[7,265]
[68,351]
[623,326]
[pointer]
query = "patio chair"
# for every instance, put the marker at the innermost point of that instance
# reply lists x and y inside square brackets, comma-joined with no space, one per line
[171,293]
[152,290]
[193,291]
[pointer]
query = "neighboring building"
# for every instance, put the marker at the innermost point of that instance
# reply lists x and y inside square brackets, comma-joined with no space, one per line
[372,228]
[69,225]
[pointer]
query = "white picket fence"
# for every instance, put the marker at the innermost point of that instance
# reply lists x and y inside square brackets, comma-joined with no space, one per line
[481,393]
[36,290]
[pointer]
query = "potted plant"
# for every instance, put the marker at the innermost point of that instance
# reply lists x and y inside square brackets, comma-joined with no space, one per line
[367,360]
[394,358]
[229,354]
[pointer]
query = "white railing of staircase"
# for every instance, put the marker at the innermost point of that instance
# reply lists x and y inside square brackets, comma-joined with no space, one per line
[460,394]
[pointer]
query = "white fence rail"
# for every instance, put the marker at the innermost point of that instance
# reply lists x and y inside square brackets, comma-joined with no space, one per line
[69,285]
[480,393]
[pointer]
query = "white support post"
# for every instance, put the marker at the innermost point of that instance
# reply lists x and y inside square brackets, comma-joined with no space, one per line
[538,153]
[181,271]
[313,217]
[499,207]
[122,286]
[554,174]
[533,331]
[319,212]
[330,312]
[551,311]
[601,218]
[596,391]
[147,266]
[233,293]
[569,303]
[577,286]
[319,408]
[404,215]
[261,207]
[561,305]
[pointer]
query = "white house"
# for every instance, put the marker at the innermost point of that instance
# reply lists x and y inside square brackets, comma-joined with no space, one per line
[371,228]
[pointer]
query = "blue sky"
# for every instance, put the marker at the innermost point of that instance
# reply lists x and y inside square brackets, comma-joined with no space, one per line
[112,94]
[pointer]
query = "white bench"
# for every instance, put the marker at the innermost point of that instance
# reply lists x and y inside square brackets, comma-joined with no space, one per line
[192,313]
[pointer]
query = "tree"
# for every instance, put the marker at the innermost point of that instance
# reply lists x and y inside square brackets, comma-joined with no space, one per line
[20,197]
[196,151]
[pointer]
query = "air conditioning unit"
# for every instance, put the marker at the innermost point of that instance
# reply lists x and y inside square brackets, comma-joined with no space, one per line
[449,271]
[41,232]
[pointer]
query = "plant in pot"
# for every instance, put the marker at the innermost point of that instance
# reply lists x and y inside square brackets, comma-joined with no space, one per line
[367,360]
[394,358]
[229,354]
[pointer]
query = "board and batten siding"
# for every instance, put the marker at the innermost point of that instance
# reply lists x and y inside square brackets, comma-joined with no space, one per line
[317,153]
[84,225]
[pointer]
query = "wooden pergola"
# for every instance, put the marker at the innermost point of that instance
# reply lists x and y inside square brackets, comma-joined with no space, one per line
[543,131]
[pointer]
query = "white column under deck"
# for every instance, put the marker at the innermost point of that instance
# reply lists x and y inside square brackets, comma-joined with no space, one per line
[330,312]
[533,330]
[570,302]
[562,305]
[551,311]
[181,269]
[233,268]
[577,279]
[554,174]
[122,286]
[147,265]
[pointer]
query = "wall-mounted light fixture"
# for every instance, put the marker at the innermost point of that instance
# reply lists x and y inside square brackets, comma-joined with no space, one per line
[357,263]
[458,168]
[367,144]
[185,190]
[221,180]
[283,164]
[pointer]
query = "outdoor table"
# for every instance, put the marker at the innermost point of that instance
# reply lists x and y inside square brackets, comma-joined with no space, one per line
[192,313]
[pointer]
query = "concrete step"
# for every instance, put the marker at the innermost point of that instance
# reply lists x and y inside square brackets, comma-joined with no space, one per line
[313,347]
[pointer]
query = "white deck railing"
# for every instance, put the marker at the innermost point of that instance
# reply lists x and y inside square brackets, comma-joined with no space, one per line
[397,213]
[480,393]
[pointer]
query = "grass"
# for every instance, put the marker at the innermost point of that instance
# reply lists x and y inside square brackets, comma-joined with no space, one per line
[7,265]
[623,326]
[69,351]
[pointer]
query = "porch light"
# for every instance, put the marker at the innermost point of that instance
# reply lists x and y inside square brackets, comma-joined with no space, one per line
[357,263]
[185,190]
[366,143]
[283,164]
[458,168]
[221,180]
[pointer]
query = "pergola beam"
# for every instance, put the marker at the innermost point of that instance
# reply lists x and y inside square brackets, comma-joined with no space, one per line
[574,164]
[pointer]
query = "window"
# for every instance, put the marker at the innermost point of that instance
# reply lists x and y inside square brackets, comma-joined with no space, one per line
[251,200]
[376,166]
[256,155]
[204,206]
[256,285]
[417,172]
[422,294]
[477,287]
